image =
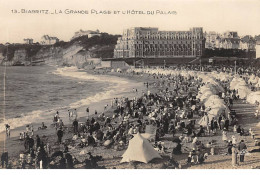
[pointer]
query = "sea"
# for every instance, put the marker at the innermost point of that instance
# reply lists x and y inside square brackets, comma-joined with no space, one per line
[34,94]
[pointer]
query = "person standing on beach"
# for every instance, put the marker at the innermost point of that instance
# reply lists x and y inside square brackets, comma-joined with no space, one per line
[57,116]
[4,159]
[242,148]
[230,145]
[60,135]
[30,143]
[87,111]
[27,129]
[75,114]
[256,113]
[75,126]
[69,113]
[38,141]
[7,130]
[26,142]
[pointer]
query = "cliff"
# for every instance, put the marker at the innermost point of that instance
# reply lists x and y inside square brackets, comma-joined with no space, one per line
[77,52]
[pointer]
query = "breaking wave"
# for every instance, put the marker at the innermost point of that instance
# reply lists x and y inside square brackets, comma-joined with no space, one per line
[115,86]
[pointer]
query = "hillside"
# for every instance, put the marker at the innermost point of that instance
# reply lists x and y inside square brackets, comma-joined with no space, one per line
[66,52]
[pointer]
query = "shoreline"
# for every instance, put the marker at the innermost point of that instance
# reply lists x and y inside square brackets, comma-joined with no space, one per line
[46,115]
[99,106]
[110,155]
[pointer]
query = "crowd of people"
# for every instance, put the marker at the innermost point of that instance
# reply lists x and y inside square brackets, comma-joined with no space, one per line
[169,105]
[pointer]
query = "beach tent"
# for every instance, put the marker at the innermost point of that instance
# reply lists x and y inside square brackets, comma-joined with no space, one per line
[258,83]
[208,87]
[223,76]
[205,96]
[237,82]
[139,149]
[205,120]
[253,79]
[243,91]
[216,111]
[212,101]
[253,97]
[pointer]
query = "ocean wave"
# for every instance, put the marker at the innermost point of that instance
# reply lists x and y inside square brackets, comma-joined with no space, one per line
[115,86]
[73,72]
[93,99]
[23,120]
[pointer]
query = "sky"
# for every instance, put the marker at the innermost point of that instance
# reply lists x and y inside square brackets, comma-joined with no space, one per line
[242,16]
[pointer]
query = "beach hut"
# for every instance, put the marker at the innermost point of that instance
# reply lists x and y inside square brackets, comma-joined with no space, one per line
[140,150]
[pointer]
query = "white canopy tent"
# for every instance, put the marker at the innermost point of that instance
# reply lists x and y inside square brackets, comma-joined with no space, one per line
[139,149]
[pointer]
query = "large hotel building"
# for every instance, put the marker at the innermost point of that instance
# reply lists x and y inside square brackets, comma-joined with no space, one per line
[146,42]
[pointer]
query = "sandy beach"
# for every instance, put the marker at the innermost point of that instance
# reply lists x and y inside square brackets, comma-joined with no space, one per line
[126,85]
[112,156]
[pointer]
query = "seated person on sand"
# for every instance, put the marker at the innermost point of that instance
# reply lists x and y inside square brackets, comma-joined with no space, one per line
[192,157]
[91,140]
[157,145]
[201,132]
[188,131]
[83,142]
[239,129]
[99,135]
[43,126]
[177,149]
[202,157]
[195,143]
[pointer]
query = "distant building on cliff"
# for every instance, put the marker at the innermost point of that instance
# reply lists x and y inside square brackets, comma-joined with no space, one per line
[48,40]
[248,43]
[227,43]
[211,38]
[147,42]
[28,41]
[89,33]
[229,40]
